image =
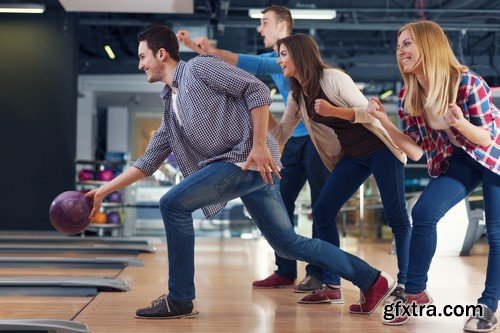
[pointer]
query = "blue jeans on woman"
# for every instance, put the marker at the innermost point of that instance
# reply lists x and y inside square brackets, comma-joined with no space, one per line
[301,163]
[442,193]
[346,178]
[220,182]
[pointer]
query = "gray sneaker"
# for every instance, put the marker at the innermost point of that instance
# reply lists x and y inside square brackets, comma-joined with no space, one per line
[308,284]
[397,293]
[483,320]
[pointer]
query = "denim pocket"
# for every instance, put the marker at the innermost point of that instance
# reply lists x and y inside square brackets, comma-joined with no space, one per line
[239,182]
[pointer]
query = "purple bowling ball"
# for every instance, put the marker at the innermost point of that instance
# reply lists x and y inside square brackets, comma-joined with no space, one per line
[114,218]
[69,212]
[105,175]
[115,197]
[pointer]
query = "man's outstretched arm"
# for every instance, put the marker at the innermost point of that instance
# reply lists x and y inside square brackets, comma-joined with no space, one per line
[202,45]
[255,64]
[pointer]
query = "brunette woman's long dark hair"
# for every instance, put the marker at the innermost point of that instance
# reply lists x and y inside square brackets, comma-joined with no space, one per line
[304,53]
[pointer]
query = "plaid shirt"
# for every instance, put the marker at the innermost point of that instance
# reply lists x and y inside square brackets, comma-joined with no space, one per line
[474,98]
[214,102]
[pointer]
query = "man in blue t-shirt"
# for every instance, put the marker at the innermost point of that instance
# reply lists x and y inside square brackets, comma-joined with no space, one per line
[300,159]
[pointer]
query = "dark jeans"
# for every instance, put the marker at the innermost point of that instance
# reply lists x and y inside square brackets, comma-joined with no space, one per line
[345,179]
[441,194]
[219,182]
[301,163]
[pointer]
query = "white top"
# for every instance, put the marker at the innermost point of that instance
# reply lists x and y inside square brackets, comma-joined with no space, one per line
[174,106]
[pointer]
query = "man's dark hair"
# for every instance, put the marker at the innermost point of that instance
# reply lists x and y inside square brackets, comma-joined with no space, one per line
[282,14]
[160,37]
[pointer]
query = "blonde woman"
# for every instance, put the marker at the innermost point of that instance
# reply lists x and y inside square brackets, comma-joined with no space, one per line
[448,115]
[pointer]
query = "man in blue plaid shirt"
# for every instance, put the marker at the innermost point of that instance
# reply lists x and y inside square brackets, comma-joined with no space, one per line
[215,123]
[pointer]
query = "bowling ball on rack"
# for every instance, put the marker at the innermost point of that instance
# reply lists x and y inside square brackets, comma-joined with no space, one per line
[85,174]
[114,218]
[100,218]
[105,175]
[69,212]
[115,196]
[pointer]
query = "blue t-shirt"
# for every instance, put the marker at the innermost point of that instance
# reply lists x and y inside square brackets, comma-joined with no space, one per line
[265,64]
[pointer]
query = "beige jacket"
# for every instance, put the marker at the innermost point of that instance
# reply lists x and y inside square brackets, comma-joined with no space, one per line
[342,91]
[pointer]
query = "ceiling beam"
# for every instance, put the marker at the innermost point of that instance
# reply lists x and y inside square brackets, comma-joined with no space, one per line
[302,24]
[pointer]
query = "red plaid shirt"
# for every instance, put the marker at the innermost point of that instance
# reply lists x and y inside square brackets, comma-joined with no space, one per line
[474,98]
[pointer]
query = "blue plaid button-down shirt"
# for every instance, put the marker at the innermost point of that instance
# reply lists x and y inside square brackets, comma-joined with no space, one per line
[214,101]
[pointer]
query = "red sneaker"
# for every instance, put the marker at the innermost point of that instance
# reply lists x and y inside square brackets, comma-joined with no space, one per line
[273,281]
[370,299]
[422,298]
[324,295]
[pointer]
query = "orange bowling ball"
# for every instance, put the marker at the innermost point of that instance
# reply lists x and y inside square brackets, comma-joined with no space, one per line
[100,218]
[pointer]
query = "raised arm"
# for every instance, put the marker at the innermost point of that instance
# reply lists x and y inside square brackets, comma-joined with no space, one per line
[263,64]
[478,135]
[345,90]
[202,45]
[232,81]
[480,128]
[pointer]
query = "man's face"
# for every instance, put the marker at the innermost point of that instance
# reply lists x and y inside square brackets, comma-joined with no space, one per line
[269,29]
[150,63]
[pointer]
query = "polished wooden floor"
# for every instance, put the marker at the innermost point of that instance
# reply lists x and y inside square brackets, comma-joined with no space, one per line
[225,269]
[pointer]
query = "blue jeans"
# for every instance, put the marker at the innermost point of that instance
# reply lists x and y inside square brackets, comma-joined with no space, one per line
[345,179]
[441,194]
[301,163]
[219,182]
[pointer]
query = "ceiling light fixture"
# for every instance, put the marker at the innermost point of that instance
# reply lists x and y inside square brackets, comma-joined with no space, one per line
[300,14]
[109,51]
[20,8]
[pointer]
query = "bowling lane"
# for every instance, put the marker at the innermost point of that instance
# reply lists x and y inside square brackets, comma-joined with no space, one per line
[59,272]
[20,307]
[67,254]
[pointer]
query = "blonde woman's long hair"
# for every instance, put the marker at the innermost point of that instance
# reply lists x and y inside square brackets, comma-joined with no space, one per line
[440,66]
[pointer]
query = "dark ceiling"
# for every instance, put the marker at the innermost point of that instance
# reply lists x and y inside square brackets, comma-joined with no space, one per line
[361,39]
